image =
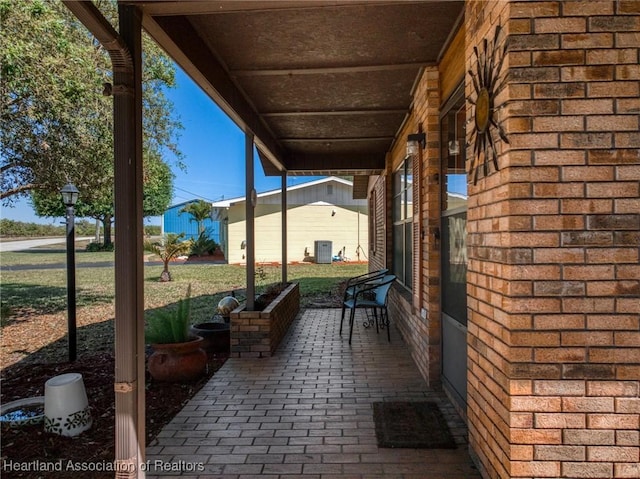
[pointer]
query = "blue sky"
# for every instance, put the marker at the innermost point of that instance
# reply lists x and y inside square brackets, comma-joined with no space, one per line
[213,148]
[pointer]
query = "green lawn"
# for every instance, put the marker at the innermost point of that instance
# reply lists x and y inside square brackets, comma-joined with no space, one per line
[44,290]
[54,254]
[34,301]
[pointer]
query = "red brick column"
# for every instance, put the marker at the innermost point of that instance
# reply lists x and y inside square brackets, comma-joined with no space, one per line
[416,313]
[427,324]
[554,291]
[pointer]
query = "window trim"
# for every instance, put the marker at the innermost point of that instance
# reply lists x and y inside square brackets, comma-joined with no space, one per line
[405,218]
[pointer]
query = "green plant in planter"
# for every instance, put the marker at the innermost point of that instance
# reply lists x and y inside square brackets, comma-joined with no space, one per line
[170,325]
[270,293]
[177,356]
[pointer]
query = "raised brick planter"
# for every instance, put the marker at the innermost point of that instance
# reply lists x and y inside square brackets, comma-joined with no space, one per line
[257,334]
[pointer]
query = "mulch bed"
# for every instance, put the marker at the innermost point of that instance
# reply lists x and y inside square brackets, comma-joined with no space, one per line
[97,445]
[28,360]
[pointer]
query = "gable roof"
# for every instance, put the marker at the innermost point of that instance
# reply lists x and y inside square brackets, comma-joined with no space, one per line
[228,202]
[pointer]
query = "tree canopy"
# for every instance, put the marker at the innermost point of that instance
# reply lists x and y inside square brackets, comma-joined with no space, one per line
[55,124]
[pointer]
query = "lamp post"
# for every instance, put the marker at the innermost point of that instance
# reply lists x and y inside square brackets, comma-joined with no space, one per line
[69,195]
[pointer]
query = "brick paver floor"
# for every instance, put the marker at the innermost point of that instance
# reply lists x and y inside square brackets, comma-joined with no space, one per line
[307,412]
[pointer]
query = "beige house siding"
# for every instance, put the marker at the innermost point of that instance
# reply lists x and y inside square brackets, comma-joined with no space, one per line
[306,224]
[325,211]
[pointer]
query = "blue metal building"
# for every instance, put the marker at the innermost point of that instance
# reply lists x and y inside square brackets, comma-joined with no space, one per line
[175,222]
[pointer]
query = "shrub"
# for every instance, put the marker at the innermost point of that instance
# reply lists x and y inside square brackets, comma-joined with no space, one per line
[98,247]
[203,245]
[152,230]
[22,229]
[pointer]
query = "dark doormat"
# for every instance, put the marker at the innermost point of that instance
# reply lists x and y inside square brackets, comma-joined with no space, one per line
[406,424]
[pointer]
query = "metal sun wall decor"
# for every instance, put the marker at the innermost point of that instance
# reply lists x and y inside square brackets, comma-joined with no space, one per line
[487,83]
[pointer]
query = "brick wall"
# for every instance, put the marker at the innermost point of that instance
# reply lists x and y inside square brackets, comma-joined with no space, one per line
[424,329]
[488,354]
[554,294]
[420,331]
[257,334]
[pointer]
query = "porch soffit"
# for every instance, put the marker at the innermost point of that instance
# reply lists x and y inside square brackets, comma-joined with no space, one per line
[324,85]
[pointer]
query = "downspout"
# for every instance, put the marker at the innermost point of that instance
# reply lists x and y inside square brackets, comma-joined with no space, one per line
[358,237]
[224,235]
[126,57]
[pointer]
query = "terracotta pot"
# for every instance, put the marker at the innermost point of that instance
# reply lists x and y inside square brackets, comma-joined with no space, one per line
[178,362]
[216,337]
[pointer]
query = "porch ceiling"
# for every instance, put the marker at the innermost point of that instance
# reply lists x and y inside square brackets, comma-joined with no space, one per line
[323,85]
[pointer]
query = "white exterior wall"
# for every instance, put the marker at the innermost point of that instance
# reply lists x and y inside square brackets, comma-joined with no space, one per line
[348,228]
[306,224]
[310,219]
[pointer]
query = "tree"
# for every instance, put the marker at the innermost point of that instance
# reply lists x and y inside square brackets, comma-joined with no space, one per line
[158,186]
[55,124]
[46,89]
[168,249]
[199,210]
[98,204]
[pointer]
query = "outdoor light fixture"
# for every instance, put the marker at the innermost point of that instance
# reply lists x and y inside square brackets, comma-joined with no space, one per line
[415,141]
[70,195]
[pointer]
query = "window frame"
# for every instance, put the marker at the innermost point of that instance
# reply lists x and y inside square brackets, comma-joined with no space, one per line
[402,222]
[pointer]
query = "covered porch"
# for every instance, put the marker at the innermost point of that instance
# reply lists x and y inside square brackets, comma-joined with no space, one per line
[531,107]
[318,87]
[307,412]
